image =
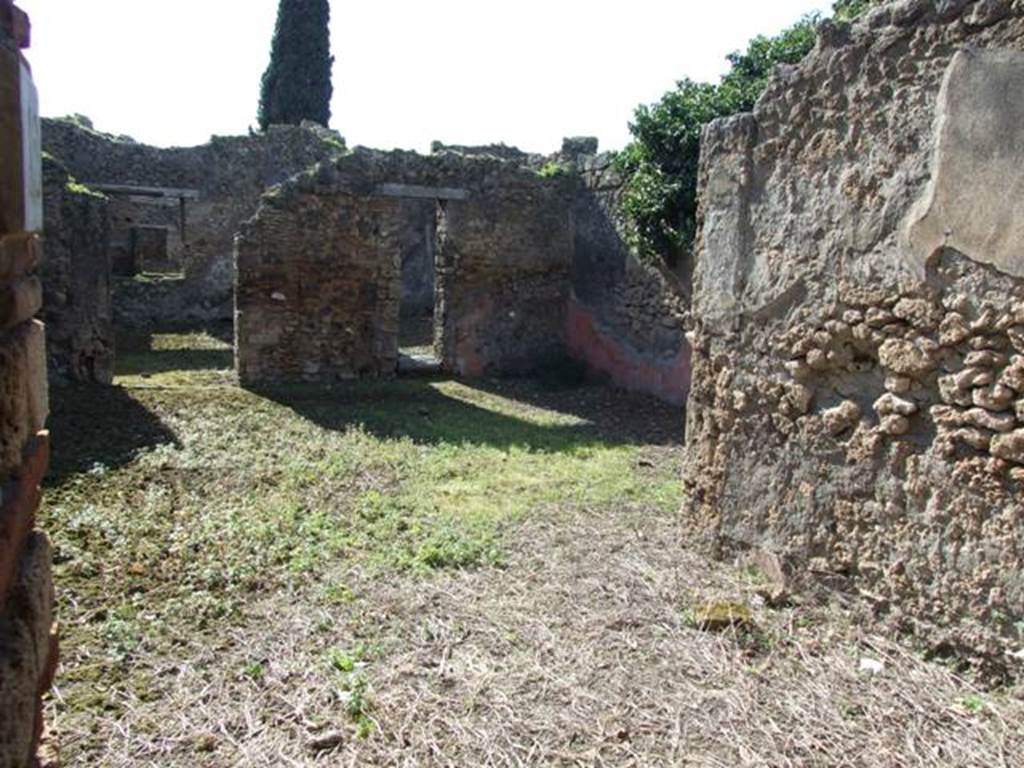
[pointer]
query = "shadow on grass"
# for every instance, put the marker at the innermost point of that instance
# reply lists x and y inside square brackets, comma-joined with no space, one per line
[94,425]
[167,360]
[419,410]
[615,413]
[136,356]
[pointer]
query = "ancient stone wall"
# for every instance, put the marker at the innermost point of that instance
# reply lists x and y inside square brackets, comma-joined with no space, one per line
[76,280]
[626,317]
[230,174]
[319,267]
[858,397]
[28,644]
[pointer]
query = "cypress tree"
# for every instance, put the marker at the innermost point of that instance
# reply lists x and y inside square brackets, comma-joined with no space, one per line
[297,83]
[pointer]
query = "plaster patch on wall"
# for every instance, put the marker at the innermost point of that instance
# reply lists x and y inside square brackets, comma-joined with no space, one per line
[975,201]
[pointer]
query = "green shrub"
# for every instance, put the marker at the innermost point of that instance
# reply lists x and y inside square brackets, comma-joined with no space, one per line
[661,163]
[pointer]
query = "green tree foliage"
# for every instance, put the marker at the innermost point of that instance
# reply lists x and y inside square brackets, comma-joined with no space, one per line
[297,83]
[660,202]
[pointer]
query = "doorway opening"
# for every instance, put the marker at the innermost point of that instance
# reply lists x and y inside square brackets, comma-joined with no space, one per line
[417,348]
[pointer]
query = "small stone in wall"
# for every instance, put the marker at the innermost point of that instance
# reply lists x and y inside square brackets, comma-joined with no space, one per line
[946,416]
[853,317]
[975,438]
[995,398]
[817,360]
[920,313]
[895,425]
[889,404]
[878,318]
[906,358]
[953,330]
[986,322]
[996,422]
[970,378]
[985,358]
[841,418]
[1013,376]
[798,398]
[988,342]
[1016,336]
[898,385]
[1010,446]
[952,393]
[799,370]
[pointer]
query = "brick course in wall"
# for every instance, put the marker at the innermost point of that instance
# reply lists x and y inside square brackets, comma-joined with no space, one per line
[28,641]
[319,268]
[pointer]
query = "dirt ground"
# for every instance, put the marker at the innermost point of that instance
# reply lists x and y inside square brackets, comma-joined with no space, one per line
[556,626]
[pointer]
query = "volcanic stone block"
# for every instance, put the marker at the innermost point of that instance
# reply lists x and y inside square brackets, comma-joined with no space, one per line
[27,654]
[21,195]
[23,391]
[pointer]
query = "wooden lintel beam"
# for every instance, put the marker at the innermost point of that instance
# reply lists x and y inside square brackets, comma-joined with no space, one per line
[421,193]
[137,191]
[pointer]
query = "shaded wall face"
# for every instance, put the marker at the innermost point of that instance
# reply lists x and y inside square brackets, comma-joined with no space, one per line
[417,238]
[504,267]
[858,400]
[230,174]
[318,290]
[28,642]
[76,283]
[625,318]
[319,268]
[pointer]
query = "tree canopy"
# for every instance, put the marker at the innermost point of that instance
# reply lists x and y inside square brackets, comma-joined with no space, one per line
[297,83]
[660,202]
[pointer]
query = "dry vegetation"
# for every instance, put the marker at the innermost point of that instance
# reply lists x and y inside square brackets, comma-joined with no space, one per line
[432,573]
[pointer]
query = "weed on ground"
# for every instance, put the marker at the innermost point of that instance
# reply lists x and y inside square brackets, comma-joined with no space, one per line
[436,572]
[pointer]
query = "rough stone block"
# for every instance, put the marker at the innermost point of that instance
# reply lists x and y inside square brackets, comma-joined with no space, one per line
[19,500]
[26,653]
[20,254]
[23,392]
[21,194]
[20,300]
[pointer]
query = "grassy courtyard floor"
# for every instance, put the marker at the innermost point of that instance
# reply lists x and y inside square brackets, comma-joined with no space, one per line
[436,573]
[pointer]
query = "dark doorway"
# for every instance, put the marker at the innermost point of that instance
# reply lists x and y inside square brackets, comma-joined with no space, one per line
[416,348]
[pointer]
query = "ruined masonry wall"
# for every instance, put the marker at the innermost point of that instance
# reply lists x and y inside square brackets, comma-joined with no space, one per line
[28,641]
[319,269]
[626,318]
[76,281]
[858,387]
[231,173]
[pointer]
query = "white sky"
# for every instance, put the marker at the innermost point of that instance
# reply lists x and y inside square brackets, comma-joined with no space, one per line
[406,71]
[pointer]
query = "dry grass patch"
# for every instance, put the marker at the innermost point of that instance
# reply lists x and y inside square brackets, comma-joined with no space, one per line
[431,573]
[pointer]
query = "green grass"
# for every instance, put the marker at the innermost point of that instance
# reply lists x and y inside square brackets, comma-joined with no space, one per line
[177,498]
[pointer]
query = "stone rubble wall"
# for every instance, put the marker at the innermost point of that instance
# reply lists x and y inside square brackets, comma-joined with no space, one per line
[230,173]
[626,317]
[28,640]
[319,269]
[76,277]
[858,385]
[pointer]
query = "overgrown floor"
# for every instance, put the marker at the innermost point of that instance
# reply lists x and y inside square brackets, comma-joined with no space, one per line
[425,573]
